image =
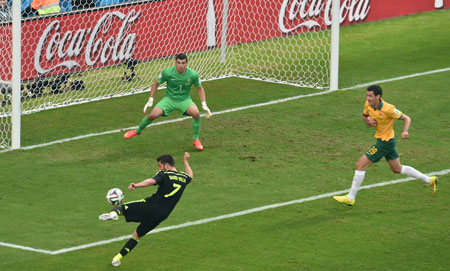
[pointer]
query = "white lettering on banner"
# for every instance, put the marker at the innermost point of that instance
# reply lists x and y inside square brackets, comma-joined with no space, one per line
[68,45]
[307,13]
[49,54]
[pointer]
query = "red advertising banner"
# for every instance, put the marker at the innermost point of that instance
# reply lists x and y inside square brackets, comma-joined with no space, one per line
[87,40]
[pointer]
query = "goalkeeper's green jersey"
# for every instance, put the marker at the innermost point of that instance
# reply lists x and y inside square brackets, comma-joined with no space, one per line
[179,85]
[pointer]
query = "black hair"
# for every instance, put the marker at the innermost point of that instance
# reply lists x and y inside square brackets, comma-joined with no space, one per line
[376,90]
[166,159]
[181,57]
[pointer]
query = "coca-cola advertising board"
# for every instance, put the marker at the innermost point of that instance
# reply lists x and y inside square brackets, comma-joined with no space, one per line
[148,30]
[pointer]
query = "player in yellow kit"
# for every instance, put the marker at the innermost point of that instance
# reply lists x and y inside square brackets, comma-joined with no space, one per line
[380,114]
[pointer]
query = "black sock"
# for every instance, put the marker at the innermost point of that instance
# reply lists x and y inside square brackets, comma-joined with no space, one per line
[117,209]
[128,246]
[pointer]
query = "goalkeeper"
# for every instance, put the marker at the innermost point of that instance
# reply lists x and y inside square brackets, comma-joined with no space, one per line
[179,80]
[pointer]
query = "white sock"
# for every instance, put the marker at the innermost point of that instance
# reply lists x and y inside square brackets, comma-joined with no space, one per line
[412,172]
[358,178]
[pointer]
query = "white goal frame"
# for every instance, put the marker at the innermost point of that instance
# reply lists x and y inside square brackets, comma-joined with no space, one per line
[16,61]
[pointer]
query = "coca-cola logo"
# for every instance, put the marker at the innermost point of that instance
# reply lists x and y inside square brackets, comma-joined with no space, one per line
[100,44]
[295,14]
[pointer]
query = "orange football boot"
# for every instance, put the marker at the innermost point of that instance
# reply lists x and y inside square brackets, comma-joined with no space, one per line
[130,134]
[198,145]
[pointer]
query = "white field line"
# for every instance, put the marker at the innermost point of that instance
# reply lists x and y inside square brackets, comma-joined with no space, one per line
[25,248]
[216,218]
[230,110]
[398,78]
[215,113]
[170,121]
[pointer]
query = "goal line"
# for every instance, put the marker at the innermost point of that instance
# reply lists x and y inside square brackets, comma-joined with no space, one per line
[231,110]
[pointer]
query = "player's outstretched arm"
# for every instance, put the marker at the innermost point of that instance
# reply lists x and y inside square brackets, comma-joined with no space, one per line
[202,96]
[144,183]
[153,90]
[187,166]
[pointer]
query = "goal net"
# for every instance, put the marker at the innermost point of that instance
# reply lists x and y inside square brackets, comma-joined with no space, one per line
[117,47]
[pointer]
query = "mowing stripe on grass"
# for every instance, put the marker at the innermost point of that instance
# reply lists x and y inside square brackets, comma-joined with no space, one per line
[216,218]
[230,110]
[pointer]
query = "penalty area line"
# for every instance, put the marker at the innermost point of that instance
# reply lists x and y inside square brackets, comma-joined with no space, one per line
[221,217]
[232,109]
[170,121]
[398,78]
[3,244]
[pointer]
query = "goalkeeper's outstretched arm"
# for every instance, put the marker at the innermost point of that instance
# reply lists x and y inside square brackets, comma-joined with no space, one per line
[153,90]
[202,96]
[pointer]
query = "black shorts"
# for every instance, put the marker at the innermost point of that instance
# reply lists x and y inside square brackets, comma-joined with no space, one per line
[145,213]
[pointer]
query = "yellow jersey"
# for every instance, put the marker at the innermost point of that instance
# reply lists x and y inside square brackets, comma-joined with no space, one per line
[384,115]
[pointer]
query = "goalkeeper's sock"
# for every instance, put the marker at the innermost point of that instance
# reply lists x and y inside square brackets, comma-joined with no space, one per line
[412,172]
[128,247]
[196,124]
[144,123]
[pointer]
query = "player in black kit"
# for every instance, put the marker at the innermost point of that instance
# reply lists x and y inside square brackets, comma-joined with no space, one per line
[153,210]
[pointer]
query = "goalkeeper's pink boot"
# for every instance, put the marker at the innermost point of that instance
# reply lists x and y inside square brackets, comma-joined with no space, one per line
[198,145]
[130,134]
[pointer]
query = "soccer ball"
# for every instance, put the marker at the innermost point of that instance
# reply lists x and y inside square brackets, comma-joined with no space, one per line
[114,196]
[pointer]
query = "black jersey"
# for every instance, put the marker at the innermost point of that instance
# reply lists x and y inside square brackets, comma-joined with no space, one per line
[171,185]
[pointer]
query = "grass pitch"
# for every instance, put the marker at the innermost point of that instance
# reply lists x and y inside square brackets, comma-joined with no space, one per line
[53,195]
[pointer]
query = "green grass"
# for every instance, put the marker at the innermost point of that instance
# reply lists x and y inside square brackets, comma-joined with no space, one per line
[51,196]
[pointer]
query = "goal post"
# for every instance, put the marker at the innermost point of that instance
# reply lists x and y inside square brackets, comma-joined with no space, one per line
[15,82]
[113,50]
[334,50]
[223,47]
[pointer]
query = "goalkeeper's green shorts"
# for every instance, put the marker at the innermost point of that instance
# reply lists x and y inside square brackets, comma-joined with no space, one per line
[168,105]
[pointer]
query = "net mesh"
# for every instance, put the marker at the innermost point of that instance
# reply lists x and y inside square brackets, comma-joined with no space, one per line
[112,48]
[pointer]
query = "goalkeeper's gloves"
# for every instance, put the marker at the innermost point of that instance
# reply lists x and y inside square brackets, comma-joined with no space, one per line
[205,107]
[148,104]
